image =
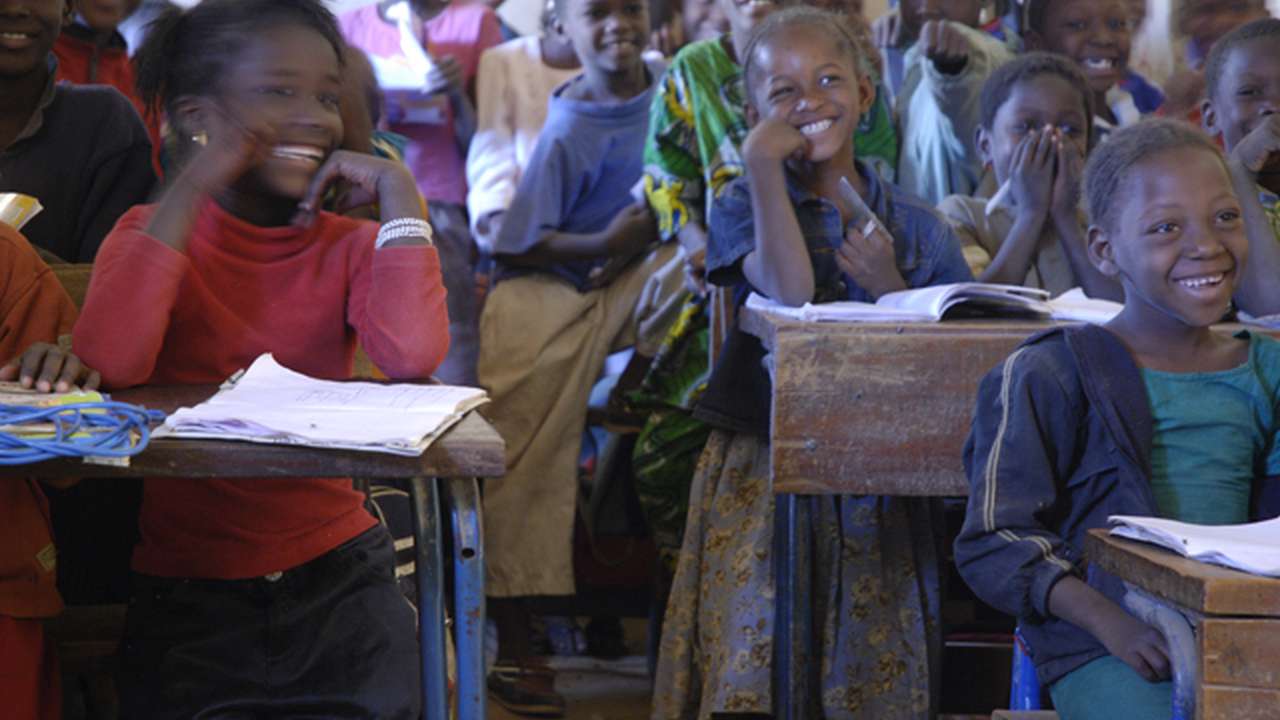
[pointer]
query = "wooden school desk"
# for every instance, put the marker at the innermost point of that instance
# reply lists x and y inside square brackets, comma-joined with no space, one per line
[450,467]
[1236,616]
[863,409]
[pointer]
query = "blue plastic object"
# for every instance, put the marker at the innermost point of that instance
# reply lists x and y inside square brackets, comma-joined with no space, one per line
[1024,686]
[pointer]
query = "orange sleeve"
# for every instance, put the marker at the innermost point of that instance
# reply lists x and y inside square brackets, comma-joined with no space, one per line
[33,305]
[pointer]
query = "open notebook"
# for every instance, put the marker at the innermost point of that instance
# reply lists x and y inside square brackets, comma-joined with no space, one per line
[268,403]
[935,303]
[1253,547]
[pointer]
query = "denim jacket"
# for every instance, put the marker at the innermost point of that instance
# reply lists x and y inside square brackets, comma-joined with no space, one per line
[1061,439]
[926,250]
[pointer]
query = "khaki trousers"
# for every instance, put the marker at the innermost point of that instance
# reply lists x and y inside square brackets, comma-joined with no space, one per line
[542,347]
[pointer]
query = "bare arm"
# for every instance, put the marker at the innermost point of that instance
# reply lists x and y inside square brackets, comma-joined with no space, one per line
[1065,214]
[779,266]
[1259,293]
[631,230]
[1011,261]
[1030,185]
[1139,645]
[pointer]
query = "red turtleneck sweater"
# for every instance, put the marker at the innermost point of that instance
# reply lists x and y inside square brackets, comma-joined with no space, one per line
[155,315]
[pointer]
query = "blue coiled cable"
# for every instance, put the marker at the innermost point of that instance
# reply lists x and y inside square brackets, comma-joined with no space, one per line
[105,429]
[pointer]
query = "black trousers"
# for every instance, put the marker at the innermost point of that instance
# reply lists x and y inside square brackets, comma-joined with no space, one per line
[333,638]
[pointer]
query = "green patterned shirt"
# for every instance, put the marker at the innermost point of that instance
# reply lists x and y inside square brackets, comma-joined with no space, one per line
[1271,206]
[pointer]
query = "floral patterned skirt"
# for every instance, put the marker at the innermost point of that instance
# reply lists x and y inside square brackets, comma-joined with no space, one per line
[875,599]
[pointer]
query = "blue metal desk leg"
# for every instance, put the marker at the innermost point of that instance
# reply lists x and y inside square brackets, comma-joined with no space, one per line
[430,573]
[468,563]
[792,631]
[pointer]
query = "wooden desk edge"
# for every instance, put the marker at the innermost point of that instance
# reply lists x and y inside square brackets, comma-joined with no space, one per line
[767,326]
[472,448]
[1204,588]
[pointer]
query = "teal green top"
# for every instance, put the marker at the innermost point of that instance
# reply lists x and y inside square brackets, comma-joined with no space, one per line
[1215,432]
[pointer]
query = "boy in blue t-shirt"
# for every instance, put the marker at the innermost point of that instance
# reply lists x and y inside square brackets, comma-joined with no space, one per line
[573,254]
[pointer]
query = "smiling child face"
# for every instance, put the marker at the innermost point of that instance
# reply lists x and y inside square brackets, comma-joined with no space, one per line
[1178,242]
[809,81]
[607,35]
[28,29]
[289,78]
[1094,33]
[1247,93]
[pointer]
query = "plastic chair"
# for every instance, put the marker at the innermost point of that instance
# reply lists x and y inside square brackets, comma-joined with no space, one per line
[1024,686]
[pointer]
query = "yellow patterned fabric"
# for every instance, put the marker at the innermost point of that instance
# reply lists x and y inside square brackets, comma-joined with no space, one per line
[874,601]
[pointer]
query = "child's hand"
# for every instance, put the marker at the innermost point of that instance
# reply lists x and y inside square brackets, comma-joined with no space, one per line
[772,141]
[48,368]
[630,232]
[1031,172]
[1261,147]
[367,180]
[445,76]
[604,275]
[1139,645]
[945,45]
[1066,181]
[887,30]
[233,146]
[870,261]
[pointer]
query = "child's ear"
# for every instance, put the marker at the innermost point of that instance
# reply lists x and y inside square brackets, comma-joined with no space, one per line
[1209,118]
[866,94]
[191,116]
[982,140]
[1102,252]
[752,115]
[1031,40]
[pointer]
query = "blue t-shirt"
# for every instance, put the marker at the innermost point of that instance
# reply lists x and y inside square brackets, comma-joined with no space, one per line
[926,249]
[588,158]
[1214,433]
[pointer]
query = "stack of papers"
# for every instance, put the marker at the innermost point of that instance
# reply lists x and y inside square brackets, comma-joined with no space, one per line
[932,304]
[1251,547]
[269,403]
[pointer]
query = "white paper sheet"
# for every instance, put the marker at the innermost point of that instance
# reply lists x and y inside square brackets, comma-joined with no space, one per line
[272,404]
[1252,547]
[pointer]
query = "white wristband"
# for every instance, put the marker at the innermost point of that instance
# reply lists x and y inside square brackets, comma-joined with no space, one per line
[404,228]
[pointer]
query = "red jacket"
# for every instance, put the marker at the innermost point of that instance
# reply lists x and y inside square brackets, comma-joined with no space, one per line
[156,315]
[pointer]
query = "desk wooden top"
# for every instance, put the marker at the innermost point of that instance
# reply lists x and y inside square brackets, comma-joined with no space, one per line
[877,409]
[1204,588]
[472,448]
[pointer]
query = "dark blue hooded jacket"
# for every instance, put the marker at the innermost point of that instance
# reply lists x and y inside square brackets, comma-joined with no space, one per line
[1061,439]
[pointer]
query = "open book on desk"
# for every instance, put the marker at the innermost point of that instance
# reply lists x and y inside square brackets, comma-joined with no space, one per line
[1252,547]
[269,403]
[932,304]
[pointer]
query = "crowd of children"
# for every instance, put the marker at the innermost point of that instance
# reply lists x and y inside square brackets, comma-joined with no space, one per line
[260,176]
